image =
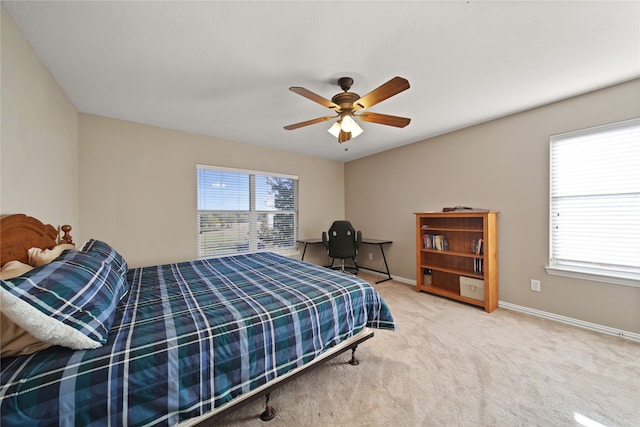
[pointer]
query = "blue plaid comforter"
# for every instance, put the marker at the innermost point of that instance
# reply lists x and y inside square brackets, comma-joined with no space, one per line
[190,337]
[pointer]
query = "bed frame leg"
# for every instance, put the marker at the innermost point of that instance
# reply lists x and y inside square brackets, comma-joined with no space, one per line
[354,361]
[269,412]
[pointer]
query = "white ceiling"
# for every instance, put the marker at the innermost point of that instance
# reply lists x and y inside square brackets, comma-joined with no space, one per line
[224,68]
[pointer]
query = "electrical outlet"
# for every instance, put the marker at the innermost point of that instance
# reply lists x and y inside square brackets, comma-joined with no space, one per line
[370,255]
[535,285]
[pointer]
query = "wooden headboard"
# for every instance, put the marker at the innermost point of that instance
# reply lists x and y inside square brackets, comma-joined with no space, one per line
[19,232]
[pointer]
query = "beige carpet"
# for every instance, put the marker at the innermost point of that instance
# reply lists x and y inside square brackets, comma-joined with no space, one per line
[450,364]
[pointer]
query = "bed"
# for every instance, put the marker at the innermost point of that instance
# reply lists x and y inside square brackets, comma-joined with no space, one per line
[168,344]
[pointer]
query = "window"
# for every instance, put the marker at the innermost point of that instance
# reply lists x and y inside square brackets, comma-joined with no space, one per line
[595,203]
[242,211]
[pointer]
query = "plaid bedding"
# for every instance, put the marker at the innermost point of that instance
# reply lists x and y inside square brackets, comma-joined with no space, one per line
[189,338]
[75,291]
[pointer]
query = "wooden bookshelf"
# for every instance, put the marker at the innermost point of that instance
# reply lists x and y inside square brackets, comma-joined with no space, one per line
[453,254]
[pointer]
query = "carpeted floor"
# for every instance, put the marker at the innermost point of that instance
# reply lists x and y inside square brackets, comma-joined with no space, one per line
[451,364]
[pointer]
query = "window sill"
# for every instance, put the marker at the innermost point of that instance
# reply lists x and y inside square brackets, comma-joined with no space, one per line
[606,276]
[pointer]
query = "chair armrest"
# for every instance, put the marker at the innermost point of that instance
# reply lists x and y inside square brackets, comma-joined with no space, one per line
[325,241]
[358,238]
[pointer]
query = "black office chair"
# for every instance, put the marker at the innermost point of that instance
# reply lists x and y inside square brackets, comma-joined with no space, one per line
[342,242]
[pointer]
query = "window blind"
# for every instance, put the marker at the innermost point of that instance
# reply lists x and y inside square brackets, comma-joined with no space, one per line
[242,211]
[595,202]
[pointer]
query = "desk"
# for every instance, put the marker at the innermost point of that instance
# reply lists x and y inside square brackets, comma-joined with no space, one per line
[365,241]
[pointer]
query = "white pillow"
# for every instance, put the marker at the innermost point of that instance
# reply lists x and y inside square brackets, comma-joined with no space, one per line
[38,257]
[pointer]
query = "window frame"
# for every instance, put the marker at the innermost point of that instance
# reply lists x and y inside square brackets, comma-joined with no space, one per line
[252,213]
[589,270]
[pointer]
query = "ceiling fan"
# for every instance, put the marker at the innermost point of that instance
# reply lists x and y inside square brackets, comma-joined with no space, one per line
[345,104]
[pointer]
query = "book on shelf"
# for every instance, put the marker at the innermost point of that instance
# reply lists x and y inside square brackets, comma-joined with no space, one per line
[479,246]
[478,263]
[436,242]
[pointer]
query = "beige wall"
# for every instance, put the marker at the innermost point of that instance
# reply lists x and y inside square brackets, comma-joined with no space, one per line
[38,137]
[138,186]
[502,165]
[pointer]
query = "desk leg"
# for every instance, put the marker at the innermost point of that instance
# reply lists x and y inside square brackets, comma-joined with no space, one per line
[304,251]
[386,266]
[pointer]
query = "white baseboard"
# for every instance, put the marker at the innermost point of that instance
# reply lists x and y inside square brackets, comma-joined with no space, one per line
[571,321]
[555,317]
[405,280]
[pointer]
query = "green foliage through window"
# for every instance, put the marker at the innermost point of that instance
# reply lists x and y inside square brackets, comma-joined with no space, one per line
[244,211]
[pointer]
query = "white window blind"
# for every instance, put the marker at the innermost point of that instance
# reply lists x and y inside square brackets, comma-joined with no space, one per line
[595,203]
[242,211]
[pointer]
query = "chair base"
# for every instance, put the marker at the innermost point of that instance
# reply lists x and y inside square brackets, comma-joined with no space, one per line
[345,268]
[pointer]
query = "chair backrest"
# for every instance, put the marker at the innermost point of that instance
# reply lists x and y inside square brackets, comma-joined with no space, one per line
[343,240]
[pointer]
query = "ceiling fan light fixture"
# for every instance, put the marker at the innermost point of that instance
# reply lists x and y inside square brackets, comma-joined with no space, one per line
[335,129]
[355,129]
[347,122]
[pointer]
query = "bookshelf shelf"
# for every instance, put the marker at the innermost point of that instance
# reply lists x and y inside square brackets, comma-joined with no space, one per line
[450,245]
[455,230]
[457,271]
[453,253]
[451,294]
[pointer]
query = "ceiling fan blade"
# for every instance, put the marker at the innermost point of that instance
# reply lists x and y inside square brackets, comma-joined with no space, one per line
[309,122]
[314,97]
[384,119]
[385,91]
